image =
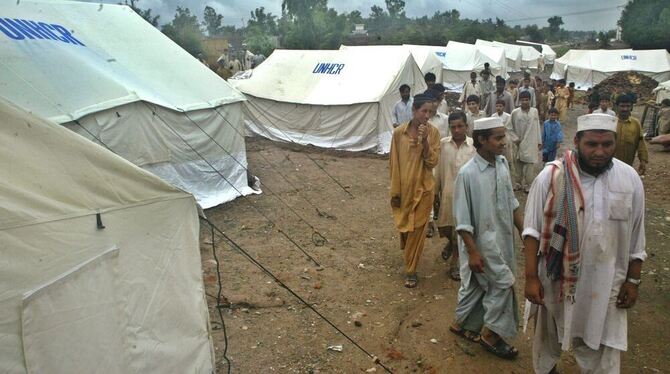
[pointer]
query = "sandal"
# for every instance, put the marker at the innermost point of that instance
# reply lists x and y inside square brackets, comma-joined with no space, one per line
[447,251]
[431,231]
[500,349]
[465,334]
[411,281]
[455,273]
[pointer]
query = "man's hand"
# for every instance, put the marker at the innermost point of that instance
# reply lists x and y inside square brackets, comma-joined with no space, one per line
[642,168]
[476,262]
[395,201]
[423,131]
[534,291]
[627,295]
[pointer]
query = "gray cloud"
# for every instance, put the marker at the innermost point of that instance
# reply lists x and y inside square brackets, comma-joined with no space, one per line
[236,12]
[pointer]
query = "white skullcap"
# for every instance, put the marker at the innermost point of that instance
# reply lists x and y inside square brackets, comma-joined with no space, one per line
[488,123]
[596,121]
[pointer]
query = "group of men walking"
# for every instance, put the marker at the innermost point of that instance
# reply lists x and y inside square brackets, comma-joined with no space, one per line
[582,231]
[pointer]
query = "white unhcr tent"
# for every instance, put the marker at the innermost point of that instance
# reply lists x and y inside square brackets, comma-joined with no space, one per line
[338,99]
[513,53]
[461,59]
[547,52]
[662,91]
[427,57]
[589,67]
[120,295]
[107,74]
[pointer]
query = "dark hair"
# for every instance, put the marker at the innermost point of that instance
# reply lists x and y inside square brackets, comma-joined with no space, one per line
[429,77]
[624,99]
[404,87]
[605,97]
[473,73]
[665,102]
[553,110]
[500,101]
[471,98]
[421,99]
[524,95]
[477,133]
[454,116]
[572,84]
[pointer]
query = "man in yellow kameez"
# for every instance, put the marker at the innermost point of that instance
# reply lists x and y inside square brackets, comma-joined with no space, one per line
[629,136]
[415,151]
[562,95]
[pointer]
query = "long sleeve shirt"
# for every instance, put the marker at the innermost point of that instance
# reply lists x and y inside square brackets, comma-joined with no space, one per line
[402,112]
[533,102]
[452,158]
[526,127]
[612,235]
[630,140]
[470,88]
[552,136]
[494,97]
[412,175]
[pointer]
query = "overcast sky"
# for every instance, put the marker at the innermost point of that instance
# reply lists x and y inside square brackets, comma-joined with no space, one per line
[236,12]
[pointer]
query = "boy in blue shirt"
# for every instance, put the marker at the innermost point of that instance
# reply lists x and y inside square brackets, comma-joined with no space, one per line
[552,136]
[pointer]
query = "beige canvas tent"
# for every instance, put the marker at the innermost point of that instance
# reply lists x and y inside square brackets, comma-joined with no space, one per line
[99,260]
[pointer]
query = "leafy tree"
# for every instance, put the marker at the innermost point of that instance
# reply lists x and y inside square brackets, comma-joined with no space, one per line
[260,27]
[356,17]
[144,13]
[266,22]
[309,24]
[645,24]
[534,33]
[555,23]
[603,40]
[185,30]
[212,21]
[396,8]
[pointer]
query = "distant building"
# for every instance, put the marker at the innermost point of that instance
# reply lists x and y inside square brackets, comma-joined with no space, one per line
[359,29]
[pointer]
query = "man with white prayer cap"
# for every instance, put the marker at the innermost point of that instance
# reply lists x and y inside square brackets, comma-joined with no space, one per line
[584,246]
[486,212]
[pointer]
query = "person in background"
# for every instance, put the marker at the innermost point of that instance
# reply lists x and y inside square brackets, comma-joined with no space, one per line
[456,150]
[487,87]
[562,95]
[473,113]
[486,212]
[439,120]
[584,245]
[629,136]
[571,98]
[470,88]
[499,94]
[430,79]
[664,118]
[402,110]
[527,88]
[526,127]
[552,136]
[440,90]
[603,107]
[415,151]
[511,140]
[513,90]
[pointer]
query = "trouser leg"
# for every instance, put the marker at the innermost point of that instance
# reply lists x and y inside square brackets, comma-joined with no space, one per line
[605,360]
[414,247]
[546,348]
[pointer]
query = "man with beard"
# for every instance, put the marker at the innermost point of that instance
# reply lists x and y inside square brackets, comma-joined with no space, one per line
[415,151]
[629,136]
[486,213]
[584,246]
[402,110]
[499,94]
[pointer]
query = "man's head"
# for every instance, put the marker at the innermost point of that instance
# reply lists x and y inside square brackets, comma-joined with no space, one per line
[524,99]
[595,142]
[561,82]
[458,125]
[422,108]
[604,102]
[526,82]
[430,79]
[473,103]
[572,85]
[625,105]
[404,92]
[485,74]
[500,106]
[437,90]
[473,77]
[500,84]
[553,114]
[489,141]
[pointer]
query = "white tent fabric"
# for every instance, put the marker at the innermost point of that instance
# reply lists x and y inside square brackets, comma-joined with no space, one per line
[662,91]
[427,58]
[85,64]
[513,53]
[79,298]
[461,59]
[546,50]
[589,67]
[339,99]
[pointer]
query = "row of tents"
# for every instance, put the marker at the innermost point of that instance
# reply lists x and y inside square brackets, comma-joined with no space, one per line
[100,247]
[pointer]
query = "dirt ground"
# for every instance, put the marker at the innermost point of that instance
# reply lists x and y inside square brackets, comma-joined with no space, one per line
[360,280]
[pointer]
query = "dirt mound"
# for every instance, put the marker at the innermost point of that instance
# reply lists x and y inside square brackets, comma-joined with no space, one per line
[641,85]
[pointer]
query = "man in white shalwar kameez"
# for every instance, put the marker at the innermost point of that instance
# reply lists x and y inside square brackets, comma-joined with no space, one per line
[526,128]
[583,261]
[486,212]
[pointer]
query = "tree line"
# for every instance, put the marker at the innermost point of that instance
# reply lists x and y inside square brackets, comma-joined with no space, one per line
[312,24]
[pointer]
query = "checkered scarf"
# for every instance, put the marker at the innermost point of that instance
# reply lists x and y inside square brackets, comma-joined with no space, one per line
[563,214]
